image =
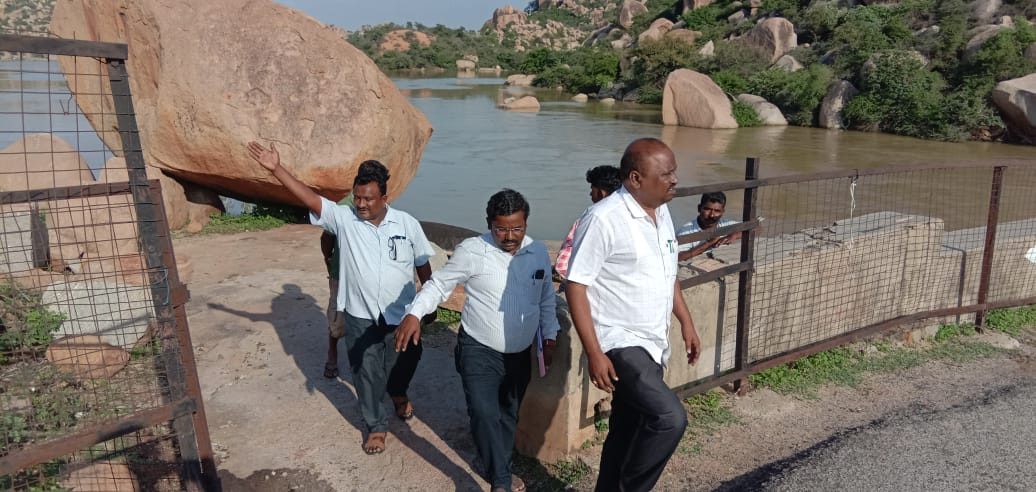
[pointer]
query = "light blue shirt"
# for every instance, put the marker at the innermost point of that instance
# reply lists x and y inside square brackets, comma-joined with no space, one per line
[692,227]
[378,261]
[508,296]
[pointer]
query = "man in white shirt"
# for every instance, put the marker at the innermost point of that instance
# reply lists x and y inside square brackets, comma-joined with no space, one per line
[710,216]
[510,296]
[622,289]
[379,250]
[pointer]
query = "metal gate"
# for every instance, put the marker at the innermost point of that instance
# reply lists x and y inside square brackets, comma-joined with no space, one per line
[98,384]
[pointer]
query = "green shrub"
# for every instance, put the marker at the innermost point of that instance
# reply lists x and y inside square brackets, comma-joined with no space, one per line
[737,57]
[731,82]
[745,114]
[657,59]
[797,94]
[899,96]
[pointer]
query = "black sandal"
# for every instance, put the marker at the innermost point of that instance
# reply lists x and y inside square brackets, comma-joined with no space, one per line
[330,372]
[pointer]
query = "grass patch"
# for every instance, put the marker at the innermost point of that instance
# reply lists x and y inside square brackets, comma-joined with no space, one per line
[846,367]
[447,316]
[1012,320]
[555,477]
[228,224]
[706,413]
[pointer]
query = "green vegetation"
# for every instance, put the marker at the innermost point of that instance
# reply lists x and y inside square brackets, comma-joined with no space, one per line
[26,326]
[745,114]
[447,316]
[260,218]
[845,366]
[706,413]
[1012,321]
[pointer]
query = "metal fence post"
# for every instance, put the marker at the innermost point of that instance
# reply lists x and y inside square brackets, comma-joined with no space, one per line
[990,244]
[147,204]
[744,286]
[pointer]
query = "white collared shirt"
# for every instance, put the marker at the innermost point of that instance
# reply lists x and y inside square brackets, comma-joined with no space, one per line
[508,296]
[693,226]
[376,265]
[629,266]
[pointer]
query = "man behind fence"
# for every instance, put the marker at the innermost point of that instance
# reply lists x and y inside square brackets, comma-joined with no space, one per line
[710,216]
[380,248]
[621,290]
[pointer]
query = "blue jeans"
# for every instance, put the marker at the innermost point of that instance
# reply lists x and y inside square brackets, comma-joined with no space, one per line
[494,384]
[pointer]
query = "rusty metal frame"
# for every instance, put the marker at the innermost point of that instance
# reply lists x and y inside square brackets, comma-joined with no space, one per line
[743,367]
[183,405]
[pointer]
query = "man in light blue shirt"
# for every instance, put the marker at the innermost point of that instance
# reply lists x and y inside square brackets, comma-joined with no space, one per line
[379,250]
[710,216]
[510,296]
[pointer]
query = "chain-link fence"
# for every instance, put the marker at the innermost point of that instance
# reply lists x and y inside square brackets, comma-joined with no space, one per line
[830,257]
[98,389]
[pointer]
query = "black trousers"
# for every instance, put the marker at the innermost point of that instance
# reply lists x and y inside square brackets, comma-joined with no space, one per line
[645,427]
[494,385]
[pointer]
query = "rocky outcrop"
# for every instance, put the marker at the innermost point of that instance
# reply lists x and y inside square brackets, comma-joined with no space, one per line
[788,63]
[187,206]
[768,113]
[656,30]
[39,161]
[708,50]
[693,99]
[402,39]
[838,94]
[628,10]
[520,80]
[297,83]
[983,10]
[1016,100]
[978,37]
[695,4]
[524,103]
[774,37]
[508,15]
[465,65]
[582,98]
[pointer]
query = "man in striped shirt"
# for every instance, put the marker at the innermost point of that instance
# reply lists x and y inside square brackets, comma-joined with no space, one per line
[604,180]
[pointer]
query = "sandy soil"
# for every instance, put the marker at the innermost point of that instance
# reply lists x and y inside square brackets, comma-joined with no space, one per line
[257,321]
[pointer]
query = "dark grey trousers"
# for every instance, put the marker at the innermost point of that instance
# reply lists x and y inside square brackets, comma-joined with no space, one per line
[376,366]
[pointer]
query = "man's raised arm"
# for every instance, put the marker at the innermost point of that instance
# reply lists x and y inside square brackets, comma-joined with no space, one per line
[271,160]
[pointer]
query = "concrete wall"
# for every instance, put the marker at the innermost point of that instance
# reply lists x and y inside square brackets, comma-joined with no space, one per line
[808,286]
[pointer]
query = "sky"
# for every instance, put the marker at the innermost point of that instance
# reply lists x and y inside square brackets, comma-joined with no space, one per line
[351,14]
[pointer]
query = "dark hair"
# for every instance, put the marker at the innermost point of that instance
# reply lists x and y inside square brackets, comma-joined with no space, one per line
[635,151]
[372,172]
[505,202]
[716,196]
[605,178]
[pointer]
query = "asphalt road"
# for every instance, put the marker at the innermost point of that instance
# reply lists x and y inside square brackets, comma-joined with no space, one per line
[987,443]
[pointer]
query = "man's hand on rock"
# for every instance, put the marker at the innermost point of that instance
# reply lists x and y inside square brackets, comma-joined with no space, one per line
[268,158]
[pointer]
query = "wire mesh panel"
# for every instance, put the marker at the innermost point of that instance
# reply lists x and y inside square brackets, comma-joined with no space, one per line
[90,348]
[840,254]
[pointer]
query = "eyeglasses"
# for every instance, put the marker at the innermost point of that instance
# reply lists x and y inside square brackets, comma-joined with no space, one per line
[505,230]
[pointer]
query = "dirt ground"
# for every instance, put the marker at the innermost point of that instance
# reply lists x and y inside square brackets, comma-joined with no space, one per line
[257,320]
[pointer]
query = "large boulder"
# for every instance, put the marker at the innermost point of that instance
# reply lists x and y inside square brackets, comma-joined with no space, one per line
[520,80]
[465,65]
[774,37]
[695,4]
[838,94]
[983,10]
[769,114]
[507,15]
[628,10]
[202,91]
[1016,100]
[656,30]
[42,160]
[87,357]
[187,206]
[1030,53]
[978,36]
[693,99]
[525,103]
[788,63]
